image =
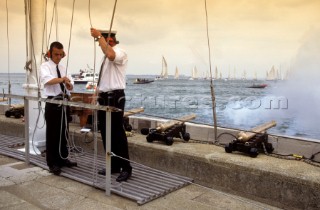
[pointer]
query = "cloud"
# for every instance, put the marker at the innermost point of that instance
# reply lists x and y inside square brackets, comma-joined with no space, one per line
[248,33]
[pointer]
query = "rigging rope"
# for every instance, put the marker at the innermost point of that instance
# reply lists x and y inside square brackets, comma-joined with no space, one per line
[28,63]
[94,46]
[89,8]
[57,19]
[64,117]
[42,46]
[211,80]
[109,34]
[53,15]
[69,44]
[8,41]
[95,118]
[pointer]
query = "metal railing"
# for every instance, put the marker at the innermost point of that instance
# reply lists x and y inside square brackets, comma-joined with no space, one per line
[108,109]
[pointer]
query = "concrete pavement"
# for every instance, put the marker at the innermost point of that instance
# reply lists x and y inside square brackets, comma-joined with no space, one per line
[283,183]
[29,187]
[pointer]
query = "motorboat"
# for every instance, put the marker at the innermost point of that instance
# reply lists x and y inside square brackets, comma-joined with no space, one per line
[85,76]
[258,86]
[142,81]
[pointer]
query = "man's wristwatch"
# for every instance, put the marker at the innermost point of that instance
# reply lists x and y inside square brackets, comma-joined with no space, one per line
[97,39]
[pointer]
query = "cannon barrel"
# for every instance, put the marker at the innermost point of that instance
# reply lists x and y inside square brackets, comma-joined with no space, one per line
[245,136]
[164,126]
[133,111]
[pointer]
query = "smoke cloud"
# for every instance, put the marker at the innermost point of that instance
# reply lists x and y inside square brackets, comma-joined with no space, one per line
[294,102]
[302,87]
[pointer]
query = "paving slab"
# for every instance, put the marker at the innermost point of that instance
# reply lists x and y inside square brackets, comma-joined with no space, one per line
[47,191]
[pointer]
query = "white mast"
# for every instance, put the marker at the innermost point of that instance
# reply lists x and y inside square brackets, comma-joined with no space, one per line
[35,28]
[35,20]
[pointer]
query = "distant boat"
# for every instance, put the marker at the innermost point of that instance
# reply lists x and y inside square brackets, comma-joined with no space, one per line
[176,74]
[164,71]
[142,81]
[258,86]
[255,76]
[85,76]
[244,75]
[207,75]
[91,86]
[272,74]
[194,74]
[216,73]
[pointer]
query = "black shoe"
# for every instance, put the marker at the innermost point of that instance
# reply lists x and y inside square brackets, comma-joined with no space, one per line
[69,163]
[56,170]
[103,171]
[124,175]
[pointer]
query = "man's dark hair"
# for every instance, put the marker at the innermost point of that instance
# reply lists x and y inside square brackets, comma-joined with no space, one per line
[57,45]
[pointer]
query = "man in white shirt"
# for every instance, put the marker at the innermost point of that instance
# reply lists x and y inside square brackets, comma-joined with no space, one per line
[110,89]
[56,86]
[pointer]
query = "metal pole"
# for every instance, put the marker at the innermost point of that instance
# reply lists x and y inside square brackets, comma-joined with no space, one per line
[26,129]
[108,152]
[213,97]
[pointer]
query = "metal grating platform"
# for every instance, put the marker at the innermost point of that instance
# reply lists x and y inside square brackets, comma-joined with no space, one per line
[145,184]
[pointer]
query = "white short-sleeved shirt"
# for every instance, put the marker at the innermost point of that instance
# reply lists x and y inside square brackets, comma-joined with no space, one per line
[48,71]
[114,72]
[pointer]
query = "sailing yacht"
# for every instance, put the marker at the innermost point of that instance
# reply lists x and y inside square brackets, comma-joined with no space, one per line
[216,73]
[176,74]
[164,71]
[272,74]
[194,74]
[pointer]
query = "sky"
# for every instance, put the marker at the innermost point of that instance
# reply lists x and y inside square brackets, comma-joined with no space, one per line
[245,35]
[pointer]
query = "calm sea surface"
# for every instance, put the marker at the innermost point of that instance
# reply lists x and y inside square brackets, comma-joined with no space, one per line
[237,105]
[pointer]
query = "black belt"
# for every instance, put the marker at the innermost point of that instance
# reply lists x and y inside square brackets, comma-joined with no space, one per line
[58,97]
[120,91]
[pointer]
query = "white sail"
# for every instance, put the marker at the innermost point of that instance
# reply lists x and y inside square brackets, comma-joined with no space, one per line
[194,73]
[255,76]
[176,74]
[244,75]
[216,73]
[272,74]
[164,72]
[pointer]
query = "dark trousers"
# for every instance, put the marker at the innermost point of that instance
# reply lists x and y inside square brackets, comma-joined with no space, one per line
[56,150]
[119,142]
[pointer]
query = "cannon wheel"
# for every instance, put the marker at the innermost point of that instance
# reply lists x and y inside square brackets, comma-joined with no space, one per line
[253,152]
[8,114]
[149,139]
[186,136]
[169,140]
[128,127]
[228,148]
[17,115]
[269,148]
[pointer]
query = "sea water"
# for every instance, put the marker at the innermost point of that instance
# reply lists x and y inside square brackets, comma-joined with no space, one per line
[237,105]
